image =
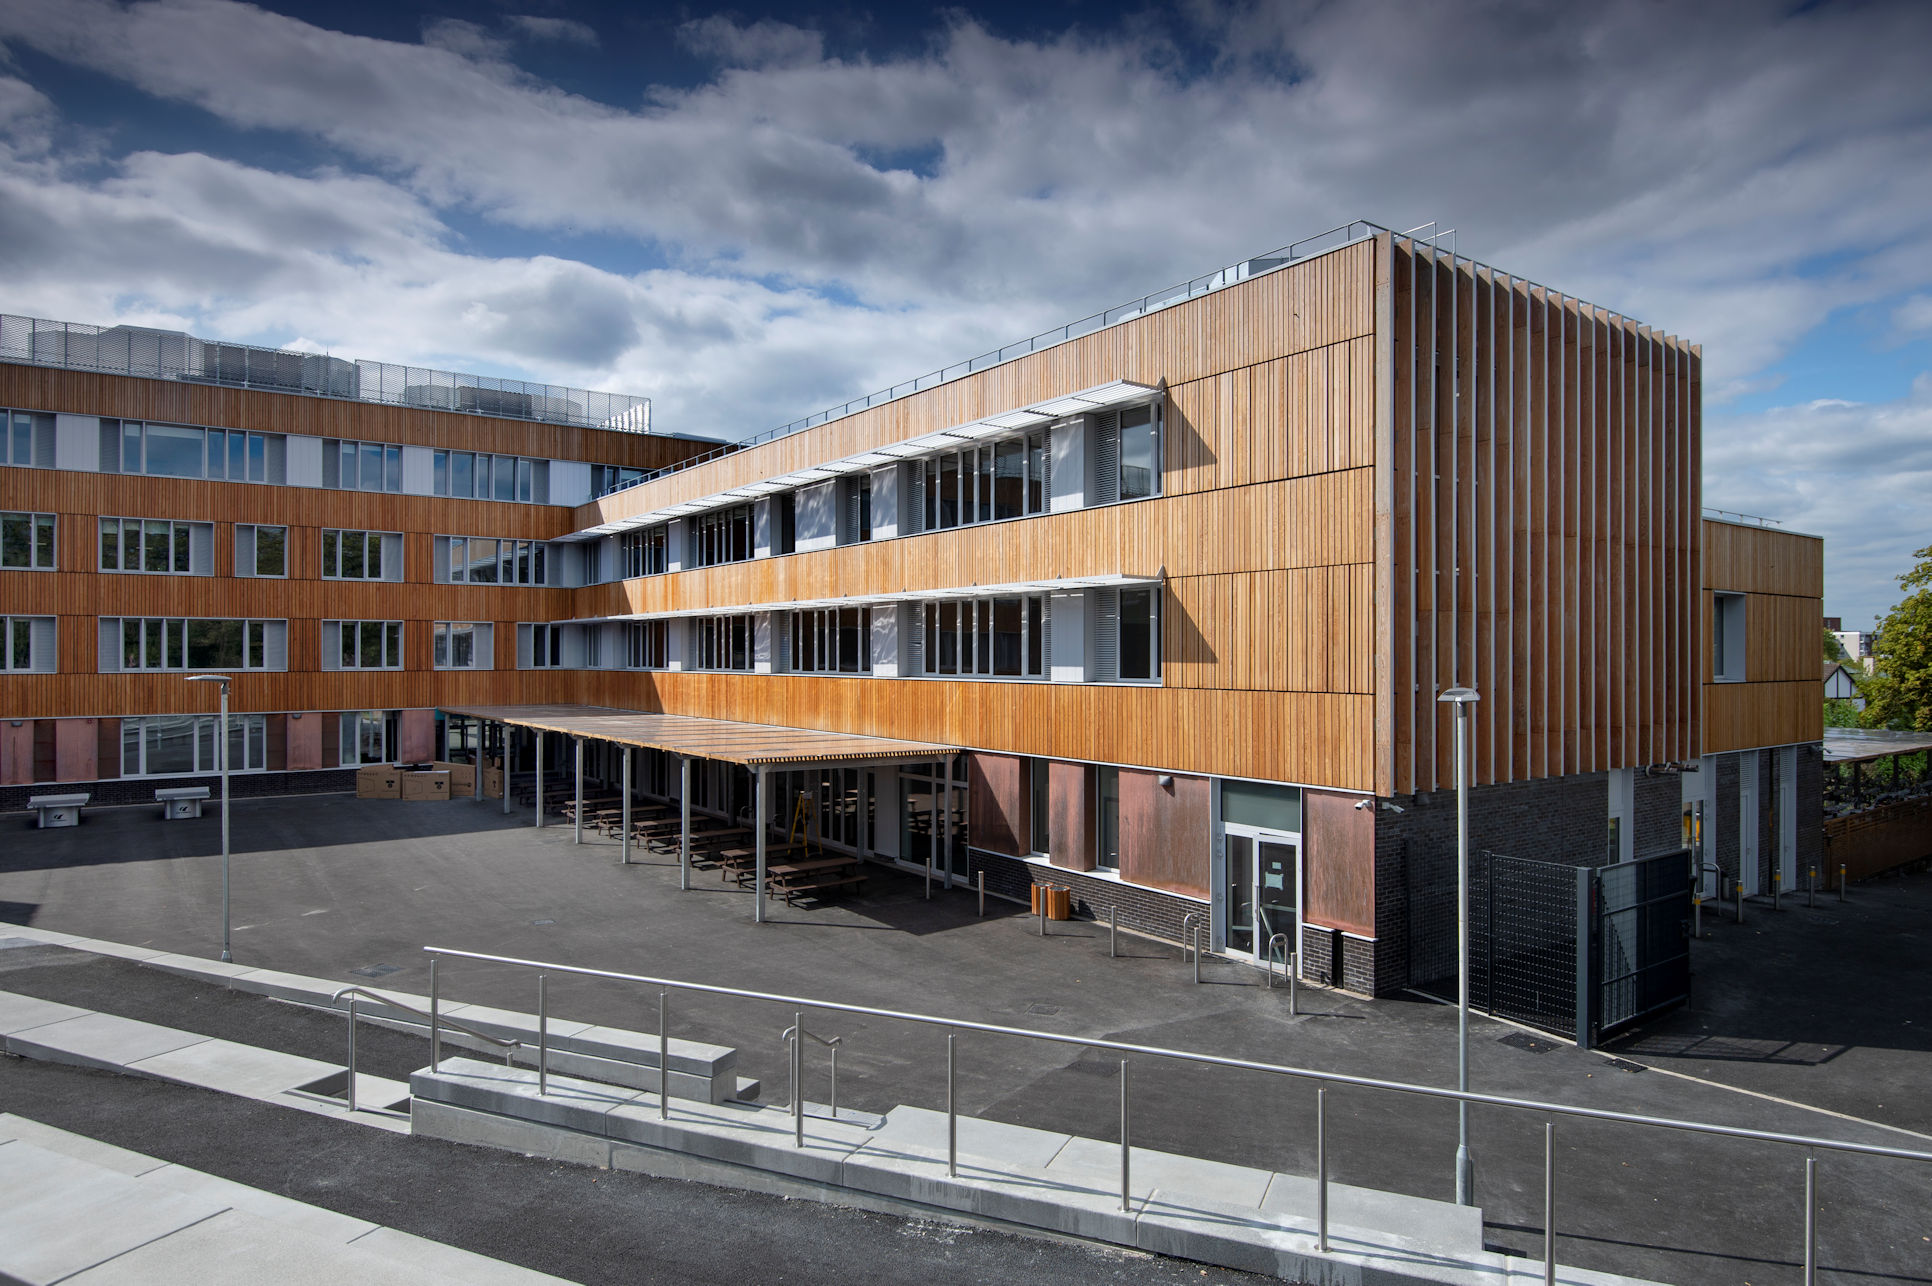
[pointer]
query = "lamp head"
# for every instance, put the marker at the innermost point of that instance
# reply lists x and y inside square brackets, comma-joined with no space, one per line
[222,679]
[1460,696]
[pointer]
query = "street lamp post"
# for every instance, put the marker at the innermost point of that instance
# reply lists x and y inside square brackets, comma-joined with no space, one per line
[221,756]
[1462,698]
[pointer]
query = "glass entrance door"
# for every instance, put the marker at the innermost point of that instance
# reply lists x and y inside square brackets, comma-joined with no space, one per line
[1263,890]
[1240,894]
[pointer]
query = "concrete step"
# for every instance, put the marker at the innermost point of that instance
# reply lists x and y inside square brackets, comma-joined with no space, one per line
[1233,1216]
[76,1210]
[55,1033]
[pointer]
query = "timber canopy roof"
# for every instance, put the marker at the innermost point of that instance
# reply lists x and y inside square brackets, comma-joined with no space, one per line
[751,744]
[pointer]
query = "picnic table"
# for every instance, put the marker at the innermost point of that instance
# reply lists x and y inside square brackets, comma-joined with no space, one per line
[797,879]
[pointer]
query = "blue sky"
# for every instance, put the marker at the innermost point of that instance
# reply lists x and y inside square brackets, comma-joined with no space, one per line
[750,214]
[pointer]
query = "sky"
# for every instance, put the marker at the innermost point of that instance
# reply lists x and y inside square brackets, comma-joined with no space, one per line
[752,214]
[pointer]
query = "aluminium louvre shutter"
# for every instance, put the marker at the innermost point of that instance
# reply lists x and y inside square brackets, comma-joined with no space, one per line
[43,655]
[1103,460]
[1106,634]
[392,555]
[912,499]
[523,647]
[1046,636]
[201,549]
[277,459]
[781,642]
[484,645]
[275,645]
[332,645]
[109,661]
[110,446]
[244,549]
[43,441]
[331,462]
[912,627]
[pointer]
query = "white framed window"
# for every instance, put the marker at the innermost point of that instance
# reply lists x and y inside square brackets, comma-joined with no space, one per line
[722,642]
[721,536]
[1003,637]
[361,555]
[362,645]
[27,542]
[188,451]
[158,546]
[463,645]
[26,440]
[647,644]
[261,550]
[992,482]
[485,560]
[180,745]
[27,644]
[478,475]
[546,646]
[830,641]
[1727,638]
[130,643]
[642,553]
[366,737]
[361,466]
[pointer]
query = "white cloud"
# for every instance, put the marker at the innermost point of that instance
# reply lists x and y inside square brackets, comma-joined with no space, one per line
[1914,316]
[760,44]
[562,30]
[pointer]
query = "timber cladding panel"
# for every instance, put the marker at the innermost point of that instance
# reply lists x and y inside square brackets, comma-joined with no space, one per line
[42,388]
[1542,531]
[1781,575]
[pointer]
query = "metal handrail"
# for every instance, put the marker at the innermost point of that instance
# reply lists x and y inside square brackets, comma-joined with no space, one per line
[435,1031]
[1321,1079]
[797,1062]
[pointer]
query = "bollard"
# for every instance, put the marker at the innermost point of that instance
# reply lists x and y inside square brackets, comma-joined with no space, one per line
[952,1109]
[1841,881]
[1740,899]
[982,891]
[352,1053]
[1811,886]
[1195,942]
[1113,932]
[1777,890]
[1294,985]
[1697,916]
[1043,931]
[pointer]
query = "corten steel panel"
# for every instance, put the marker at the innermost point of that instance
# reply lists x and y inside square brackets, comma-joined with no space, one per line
[1070,815]
[276,750]
[1338,856]
[40,388]
[416,736]
[997,816]
[1539,527]
[1164,832]
[305,740]
[16,752]
[76,747]
[107,754]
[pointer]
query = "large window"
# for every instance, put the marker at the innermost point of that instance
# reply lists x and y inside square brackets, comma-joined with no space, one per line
[546,646]
[988,483]
[475,475]
[260,550]
[646,645]
[1140,473]
[361,466]
[721,642]
[606,478]
[482,560]
[722,536]
[362,645]
[26,439]
[831,641]
[367,737]
[157,545]
[176,643]
[1727,638]
[175,745]
[185,451]
[361,555]
[641,553]
[463,645]
[27,542]
[1106,779]
[995,637]
[27,644]
[1140,630]
[1039,783]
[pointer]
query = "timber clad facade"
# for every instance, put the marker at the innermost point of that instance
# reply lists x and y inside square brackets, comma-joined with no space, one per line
[1183,590]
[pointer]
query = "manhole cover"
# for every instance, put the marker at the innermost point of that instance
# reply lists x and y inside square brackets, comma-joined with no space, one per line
[1625,1065]
[1523,1040]
[542,922]
[1045,1011]
[376,971]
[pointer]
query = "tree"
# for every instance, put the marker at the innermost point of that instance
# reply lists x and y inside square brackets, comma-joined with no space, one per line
[1898,694]
[1834,650]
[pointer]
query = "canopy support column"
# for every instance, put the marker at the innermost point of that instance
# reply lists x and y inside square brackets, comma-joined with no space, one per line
[578,835]
[627,806]
[758,835]
[509,766]
[539,779]
[476,787]
[684,817]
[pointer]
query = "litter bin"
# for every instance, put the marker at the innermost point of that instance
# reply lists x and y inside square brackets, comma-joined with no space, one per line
[1059,902]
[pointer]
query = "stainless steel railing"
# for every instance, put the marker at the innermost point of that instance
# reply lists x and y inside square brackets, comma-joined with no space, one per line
[435,1029]
[1322,1080]
[795,1059]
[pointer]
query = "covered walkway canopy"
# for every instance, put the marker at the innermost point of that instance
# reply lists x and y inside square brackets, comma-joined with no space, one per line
[754,745]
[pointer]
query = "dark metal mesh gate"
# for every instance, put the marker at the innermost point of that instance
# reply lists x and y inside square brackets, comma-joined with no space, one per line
[1641,960]
[1522,940]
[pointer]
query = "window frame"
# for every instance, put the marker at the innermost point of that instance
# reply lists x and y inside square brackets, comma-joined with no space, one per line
[17,633]
[34,524]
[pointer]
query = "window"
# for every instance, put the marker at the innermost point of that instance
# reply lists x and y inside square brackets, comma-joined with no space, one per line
[185,451]
[173,643]
[546,646]
[26,440]
[831,641]
[484,560]
[260,550]
[988,483]
[1727,638]
[171,745]
[721,642]
[367,737]
[361,466]
[362,645]
[1039,788]
[995,637]
[157,545]
[28,643]
[475,475]
[646,645]
[722,536]
[27,542]
[641,553]
[606,478]
[1107,817]
[361,555]
[1140,630]
[1139,453]
[593,569]
[463,645]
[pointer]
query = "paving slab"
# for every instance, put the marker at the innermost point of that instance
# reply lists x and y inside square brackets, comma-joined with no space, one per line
[235,1069]
[1441,1225]
[59,1215]
[77,1146]
[423,1257]
[19,1013]
[1095,1160]
[923,1128]
[313,1221]
[99,1040]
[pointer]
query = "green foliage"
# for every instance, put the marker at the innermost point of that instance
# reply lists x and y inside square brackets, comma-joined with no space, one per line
[1899,693]
[1834,650]
[1841,713]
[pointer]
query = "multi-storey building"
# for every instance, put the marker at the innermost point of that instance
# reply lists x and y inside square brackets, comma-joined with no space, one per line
[1174,591]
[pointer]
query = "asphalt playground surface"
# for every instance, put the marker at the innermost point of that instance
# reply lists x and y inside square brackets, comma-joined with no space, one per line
[1813,1021]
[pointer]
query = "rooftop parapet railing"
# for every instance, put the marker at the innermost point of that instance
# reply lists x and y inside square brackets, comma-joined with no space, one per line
[1748,520]
[177,355]
[1307,248]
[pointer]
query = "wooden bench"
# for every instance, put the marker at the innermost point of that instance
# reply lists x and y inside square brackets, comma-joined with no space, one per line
[180,802]
[58,810]
[817,877]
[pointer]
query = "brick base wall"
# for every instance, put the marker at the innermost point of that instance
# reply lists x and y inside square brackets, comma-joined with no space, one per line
[140,790]
[1146,911]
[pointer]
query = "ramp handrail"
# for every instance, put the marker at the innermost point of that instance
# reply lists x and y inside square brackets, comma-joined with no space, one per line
[953,1026]
[436,1024]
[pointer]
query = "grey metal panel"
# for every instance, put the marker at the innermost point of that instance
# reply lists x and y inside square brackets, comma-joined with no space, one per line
[77,442]
[418,471]
[303,466]
[108,658]
[42,643]
[331,645]
[275,459]
[392,555]
[243,548]
[201,549]
[485,645]
[275,645]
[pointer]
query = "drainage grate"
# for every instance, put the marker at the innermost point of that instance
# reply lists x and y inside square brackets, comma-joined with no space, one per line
[376,970]
[1045,1011]
[1523,1040]
[1625,1065]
